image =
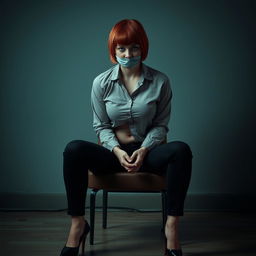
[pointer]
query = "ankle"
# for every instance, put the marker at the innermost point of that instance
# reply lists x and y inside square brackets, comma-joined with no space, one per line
[171,233]
[172,239]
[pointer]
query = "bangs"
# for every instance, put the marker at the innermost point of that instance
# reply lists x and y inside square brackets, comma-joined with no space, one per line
[126,38]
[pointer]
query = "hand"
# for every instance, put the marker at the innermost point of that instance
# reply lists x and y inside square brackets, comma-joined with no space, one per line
[123,158]
[137,158]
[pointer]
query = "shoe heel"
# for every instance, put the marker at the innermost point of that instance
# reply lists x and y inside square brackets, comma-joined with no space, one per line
[83,239]
[83,244]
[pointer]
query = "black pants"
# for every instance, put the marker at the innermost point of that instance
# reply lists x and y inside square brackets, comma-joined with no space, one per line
[173,159]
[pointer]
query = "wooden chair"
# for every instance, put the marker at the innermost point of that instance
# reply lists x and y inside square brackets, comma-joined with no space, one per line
[141,182]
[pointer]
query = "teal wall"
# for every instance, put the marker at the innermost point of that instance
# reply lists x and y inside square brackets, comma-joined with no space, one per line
[52,50]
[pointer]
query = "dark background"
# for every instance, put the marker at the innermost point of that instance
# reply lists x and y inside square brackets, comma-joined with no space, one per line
[52,50]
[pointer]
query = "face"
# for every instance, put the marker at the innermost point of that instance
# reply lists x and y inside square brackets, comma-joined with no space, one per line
[128,51]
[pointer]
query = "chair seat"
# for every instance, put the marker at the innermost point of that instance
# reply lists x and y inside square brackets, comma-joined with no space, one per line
[130,182]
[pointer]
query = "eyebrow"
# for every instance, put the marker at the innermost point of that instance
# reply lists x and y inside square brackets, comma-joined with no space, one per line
[122,45]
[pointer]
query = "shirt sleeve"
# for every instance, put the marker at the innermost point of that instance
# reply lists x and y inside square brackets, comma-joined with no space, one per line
[159,129]
[101,121]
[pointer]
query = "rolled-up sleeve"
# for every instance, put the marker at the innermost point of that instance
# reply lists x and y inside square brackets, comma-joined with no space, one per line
[159,129]
[101,121]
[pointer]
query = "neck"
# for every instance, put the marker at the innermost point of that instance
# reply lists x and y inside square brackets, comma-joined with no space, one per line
[128,73]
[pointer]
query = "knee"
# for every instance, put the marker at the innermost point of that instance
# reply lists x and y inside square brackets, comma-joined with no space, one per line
[73,147]
[182,148]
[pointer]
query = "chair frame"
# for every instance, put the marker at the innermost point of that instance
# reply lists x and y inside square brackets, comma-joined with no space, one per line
[105,206]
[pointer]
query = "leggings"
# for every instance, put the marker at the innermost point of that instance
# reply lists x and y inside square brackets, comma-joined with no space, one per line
[172,160]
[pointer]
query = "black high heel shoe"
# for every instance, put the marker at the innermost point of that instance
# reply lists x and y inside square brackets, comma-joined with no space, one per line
[74,251]
[173,252]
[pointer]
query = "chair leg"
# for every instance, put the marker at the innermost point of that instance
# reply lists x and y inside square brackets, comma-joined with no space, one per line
[105,208]
[164,208]
[92,213]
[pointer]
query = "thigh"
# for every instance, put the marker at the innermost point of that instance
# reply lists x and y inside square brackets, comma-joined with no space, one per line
[159,157]
[94,157]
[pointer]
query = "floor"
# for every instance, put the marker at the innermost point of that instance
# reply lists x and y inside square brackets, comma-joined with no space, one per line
[129,233]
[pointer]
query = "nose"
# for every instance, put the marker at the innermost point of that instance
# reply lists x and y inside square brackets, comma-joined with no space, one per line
[128,53]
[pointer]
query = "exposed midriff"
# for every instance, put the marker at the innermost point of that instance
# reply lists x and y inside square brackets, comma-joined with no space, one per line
[123,134]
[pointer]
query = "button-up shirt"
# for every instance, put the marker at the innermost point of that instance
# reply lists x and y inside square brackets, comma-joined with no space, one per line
[146,111]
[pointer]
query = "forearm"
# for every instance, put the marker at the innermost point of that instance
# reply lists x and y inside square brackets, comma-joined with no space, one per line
[154,137]
[108,139]
[116,150]
[144,149]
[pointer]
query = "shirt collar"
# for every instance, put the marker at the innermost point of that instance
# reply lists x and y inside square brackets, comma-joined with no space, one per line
[146,74]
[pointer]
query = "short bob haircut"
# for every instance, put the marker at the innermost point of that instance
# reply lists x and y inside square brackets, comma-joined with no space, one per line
[126,32]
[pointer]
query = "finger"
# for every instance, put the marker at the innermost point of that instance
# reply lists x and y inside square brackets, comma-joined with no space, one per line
[132,170]
[134,155]
[127,158]
[138,160]
[128,165]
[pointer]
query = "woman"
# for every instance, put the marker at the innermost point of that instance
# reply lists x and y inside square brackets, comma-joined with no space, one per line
[131,105]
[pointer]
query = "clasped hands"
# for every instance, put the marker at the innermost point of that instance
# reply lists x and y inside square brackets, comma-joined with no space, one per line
[131,163]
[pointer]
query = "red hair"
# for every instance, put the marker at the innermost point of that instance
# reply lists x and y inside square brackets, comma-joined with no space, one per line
[126,32]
